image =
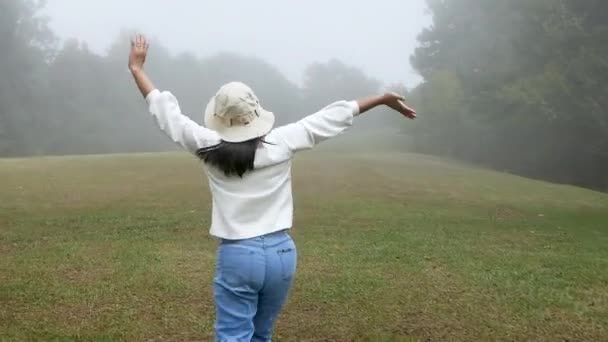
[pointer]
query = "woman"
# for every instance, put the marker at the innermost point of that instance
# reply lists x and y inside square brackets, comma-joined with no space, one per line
[248,164]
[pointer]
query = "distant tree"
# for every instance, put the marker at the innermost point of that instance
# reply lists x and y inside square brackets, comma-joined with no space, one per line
[26,45]
[532,78]
[275,91]
[327,82]
[70,100]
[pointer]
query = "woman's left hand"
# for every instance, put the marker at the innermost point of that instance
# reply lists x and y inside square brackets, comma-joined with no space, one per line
[397,102]
[139,51]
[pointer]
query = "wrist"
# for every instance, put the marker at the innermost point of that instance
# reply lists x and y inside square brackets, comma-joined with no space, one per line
[383,99]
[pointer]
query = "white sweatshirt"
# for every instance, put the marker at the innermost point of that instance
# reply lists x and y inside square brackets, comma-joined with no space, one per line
[261,202]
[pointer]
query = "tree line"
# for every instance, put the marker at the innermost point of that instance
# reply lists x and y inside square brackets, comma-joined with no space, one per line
[65,99]
[518,85]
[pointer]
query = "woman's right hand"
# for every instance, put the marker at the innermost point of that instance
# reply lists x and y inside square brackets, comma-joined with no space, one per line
[139,51]
[137,58]
[397,103]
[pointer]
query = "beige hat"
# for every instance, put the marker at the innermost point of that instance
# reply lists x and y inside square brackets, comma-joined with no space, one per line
[236,115]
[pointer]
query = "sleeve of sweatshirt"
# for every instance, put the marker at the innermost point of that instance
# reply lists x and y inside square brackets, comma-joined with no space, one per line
[327,123]
[178,127]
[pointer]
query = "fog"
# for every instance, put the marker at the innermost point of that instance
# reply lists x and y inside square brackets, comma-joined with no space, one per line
[377,37]
[516,86]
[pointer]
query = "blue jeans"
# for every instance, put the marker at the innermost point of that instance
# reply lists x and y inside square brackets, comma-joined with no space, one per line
[252,281]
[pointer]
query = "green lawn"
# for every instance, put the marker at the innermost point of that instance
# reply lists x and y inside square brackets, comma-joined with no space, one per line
[392,247]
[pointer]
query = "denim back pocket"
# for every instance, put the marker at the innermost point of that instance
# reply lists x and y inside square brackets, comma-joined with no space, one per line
[288,257]
[235,265]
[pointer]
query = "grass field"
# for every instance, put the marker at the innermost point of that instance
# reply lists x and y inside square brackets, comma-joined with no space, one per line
[392,247]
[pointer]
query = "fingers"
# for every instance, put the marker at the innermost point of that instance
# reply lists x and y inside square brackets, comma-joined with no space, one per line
[139,41]
[135,42]
[402,106]
[408,108]
[407,111]
[409,115]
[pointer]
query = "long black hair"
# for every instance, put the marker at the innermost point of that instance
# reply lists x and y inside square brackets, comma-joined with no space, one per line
[234,159]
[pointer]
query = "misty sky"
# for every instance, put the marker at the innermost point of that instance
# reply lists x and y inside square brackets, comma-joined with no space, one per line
[378,36]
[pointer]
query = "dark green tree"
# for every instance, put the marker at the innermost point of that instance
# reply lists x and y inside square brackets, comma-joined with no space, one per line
[26,45]
[517,85]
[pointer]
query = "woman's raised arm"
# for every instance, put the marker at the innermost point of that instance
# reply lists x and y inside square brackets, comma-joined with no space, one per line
[164,106]
[335,119]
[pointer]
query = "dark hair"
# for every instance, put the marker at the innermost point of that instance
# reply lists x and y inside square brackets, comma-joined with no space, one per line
[234,159]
